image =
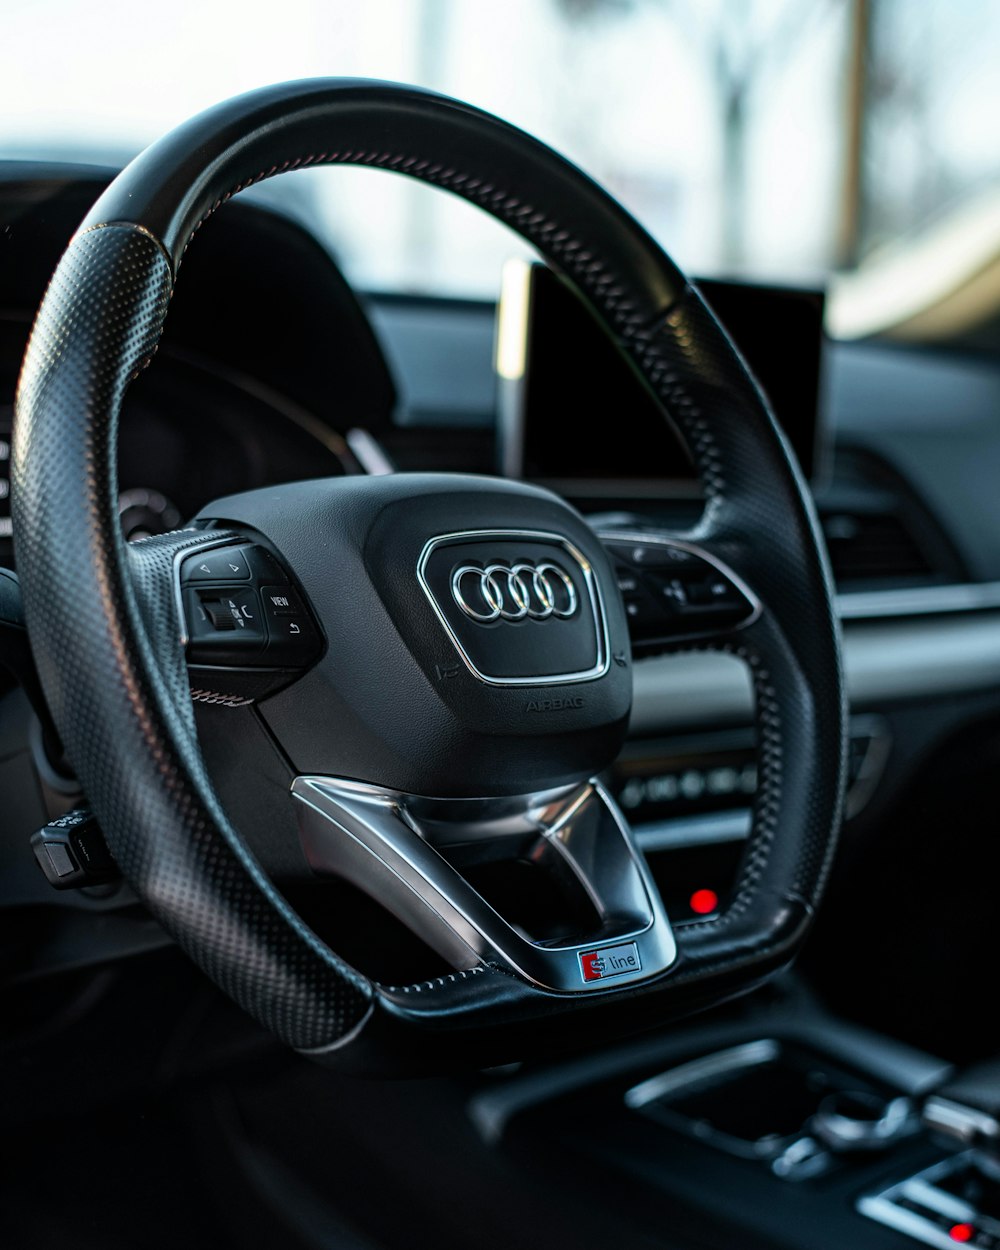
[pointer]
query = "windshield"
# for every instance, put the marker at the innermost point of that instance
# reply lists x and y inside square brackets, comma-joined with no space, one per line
[788,140]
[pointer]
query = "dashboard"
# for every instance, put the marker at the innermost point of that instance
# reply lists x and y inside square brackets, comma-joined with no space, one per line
[272,369]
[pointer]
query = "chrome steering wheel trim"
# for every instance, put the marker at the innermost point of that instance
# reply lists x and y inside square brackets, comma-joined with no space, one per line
[389,844]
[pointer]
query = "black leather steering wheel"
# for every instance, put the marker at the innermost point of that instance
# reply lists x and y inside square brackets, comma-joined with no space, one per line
[431,706]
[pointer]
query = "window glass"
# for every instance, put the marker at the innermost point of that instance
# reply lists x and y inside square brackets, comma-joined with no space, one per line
[781,139]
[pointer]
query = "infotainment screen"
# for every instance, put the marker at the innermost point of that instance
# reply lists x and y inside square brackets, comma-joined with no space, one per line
[573,414]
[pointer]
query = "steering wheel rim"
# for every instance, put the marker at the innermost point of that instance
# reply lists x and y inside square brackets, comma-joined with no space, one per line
[102,619]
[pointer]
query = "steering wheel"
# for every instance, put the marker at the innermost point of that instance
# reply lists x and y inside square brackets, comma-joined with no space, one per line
[443,661]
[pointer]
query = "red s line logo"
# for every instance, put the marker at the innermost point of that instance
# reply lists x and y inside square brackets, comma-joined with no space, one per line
[610,961]
[592,965]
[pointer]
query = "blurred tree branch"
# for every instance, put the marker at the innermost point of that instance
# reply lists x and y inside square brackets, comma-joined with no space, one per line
[739,42]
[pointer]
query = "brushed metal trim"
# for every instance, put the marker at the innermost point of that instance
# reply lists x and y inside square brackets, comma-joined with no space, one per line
[678,833]
[853,605]
[703,1070]
[387,843]
[883,661]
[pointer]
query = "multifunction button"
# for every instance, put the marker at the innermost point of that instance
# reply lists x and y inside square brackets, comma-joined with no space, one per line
[242,611]
[227,565]
[671,592]
[287,622]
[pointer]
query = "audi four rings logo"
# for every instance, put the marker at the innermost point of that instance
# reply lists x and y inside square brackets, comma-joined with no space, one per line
[514,592]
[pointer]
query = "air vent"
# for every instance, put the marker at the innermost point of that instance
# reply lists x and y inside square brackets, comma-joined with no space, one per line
[874,547]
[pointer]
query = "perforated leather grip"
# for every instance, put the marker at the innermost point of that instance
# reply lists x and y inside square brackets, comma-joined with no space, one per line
[105,638]
[114,674]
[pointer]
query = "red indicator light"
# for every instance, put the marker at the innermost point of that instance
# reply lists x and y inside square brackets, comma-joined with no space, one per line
[704,902]
[961,1232]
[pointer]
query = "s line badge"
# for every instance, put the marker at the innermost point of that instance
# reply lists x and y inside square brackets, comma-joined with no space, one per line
[610,961]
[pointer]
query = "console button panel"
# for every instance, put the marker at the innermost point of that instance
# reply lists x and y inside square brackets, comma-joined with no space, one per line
[242,612]
[226,565]
[954,1201]
[671,592]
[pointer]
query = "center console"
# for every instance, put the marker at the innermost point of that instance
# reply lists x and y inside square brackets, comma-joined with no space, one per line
[771,1124]
[797,1110]
[954,1201]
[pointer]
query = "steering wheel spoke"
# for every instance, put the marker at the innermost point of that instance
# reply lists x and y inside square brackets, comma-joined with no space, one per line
[606,925]
[244,628]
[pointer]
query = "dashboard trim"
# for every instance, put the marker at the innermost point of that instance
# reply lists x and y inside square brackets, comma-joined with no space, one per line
[884,661]
[855,605]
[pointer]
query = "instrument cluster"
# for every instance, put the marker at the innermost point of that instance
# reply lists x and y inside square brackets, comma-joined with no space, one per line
[189,434]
